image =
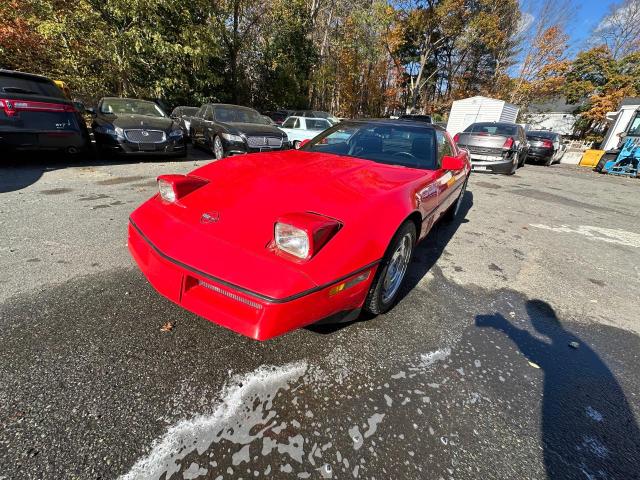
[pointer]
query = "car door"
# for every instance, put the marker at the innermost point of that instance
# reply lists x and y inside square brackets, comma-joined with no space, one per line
[288,127]
[449,181]
[427,192]
[196,125]
[208,126]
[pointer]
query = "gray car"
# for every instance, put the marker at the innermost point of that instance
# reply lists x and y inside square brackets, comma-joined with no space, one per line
[494,147]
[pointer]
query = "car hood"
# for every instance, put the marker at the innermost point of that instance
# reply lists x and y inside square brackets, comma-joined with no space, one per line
[267,185]
[252,129]
[247,194]
[128,121]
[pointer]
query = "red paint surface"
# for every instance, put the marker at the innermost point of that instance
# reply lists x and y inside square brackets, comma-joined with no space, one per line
[247,194]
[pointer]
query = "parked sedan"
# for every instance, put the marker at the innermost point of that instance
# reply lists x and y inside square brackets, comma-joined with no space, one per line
[278,116]
[271,242]
[183,115]
[497,147]
[35,115]
[231,130]
[544,147]
[132,126]
[303,128]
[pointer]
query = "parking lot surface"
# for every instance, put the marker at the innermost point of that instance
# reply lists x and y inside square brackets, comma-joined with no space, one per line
[513,352]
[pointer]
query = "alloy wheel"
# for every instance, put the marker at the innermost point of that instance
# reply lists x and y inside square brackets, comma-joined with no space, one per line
[397,268]
[218,149]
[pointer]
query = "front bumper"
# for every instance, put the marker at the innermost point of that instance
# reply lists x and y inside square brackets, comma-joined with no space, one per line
[122,146]
[231,306]
[240,148]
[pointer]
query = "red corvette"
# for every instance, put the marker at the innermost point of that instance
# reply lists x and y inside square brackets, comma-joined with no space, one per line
[269,242]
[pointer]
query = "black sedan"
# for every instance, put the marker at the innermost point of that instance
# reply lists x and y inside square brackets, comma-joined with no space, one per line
[230,130]
[544,146]
[36,116]
[132,126]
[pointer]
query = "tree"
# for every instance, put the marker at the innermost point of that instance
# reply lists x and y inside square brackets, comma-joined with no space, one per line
[544,62]
[619,29]
[600,82]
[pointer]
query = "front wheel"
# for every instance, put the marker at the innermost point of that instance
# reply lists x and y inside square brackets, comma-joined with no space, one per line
[391,271]
[218,149]
[296,144]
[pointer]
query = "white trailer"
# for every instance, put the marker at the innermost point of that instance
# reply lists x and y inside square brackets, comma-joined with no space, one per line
[479,109]
[624,120]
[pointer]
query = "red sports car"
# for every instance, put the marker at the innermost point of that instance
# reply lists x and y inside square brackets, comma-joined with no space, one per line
[270,242]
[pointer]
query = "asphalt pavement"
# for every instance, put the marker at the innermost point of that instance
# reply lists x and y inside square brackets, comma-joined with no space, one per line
[513,352]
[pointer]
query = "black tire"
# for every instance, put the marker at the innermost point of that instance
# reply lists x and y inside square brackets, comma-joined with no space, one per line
[454,209]
[523,161]
[377,301]
[216,144]
[182,154]
[604,159]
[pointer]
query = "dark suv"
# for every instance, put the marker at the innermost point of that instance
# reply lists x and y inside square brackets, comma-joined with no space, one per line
[35,115]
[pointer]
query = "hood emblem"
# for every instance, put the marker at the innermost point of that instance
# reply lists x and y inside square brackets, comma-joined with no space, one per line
[210,217]
[145,133]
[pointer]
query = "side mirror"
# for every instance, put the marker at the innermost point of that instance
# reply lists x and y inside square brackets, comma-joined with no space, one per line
[303,143]
[452,163]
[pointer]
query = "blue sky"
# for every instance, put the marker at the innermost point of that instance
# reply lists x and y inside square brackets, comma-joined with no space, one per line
[587,17]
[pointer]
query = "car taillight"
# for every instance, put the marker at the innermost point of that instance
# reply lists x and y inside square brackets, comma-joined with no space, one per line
[456,137]
[303,234]
[174,187]
[11,106]
[547,144]
[508,143]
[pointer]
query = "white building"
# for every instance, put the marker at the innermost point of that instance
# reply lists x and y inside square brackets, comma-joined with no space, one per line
[479,109]
[555,116]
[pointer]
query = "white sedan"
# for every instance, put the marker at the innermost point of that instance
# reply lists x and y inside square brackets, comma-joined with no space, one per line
[303,128]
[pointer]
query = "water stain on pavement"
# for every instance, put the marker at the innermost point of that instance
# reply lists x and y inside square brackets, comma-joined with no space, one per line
[493,186]
[432,389]
[56,191]
[495,268]
[88,198]
[561,200]
[121,180]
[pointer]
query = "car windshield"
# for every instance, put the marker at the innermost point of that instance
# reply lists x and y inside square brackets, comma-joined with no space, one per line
[634,127]
[120,106]
[238,115]
[493,128]
[404,145]
[317,124]
[541,134]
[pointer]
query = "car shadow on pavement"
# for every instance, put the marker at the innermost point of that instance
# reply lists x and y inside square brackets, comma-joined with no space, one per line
[588,429]
[424,258]
[20,170]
